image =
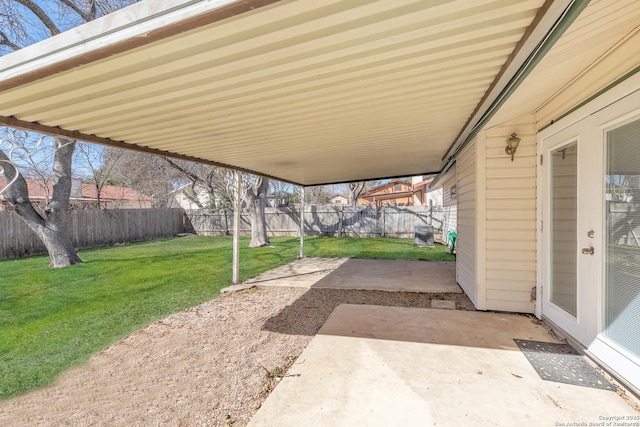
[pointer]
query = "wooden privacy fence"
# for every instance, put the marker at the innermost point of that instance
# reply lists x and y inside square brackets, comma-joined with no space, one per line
[92,228]
[331,220]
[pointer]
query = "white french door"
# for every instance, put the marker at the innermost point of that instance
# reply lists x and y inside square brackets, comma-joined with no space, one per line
[571,233]
[590,260]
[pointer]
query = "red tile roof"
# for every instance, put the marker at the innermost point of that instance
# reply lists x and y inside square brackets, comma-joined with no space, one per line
[88,191]
[113,192]
[36,188]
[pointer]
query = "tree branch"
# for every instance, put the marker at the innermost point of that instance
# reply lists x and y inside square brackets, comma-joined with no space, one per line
[42,16]
[191,176]
[86,15]
[4,40]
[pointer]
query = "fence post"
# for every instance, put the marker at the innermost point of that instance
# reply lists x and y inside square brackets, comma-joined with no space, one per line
[340,221]
[384,224]
[226,222]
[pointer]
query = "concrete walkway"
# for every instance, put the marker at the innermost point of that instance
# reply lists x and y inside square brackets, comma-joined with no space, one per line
[366,274]
[393,366]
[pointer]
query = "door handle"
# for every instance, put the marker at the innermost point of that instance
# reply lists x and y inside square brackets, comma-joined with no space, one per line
[588,251]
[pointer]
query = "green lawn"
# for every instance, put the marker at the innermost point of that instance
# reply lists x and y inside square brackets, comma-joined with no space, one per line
[373,248]
[51,320]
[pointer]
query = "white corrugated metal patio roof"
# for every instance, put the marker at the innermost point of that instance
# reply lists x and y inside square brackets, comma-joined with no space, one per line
[305,91]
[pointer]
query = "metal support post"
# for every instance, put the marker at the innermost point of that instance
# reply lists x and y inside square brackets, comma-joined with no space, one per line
[236,229]
[301,222]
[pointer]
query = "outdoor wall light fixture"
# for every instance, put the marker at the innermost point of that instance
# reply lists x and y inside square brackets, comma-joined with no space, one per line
[512,145]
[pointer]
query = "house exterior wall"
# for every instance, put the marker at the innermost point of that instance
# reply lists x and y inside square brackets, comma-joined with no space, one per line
[449,203]
[449,189]
[338,200]
[434,197]
[179,200]
[510,217]
[466,229]
[496,218]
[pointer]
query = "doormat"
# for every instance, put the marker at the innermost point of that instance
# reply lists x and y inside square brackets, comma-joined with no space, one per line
[563,364]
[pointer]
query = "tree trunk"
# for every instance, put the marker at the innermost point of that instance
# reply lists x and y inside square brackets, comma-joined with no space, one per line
[355,189]
[59,245]
[51,226]
[256,199]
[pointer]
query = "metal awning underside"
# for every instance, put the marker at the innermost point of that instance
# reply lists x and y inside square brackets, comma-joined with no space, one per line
[305,91]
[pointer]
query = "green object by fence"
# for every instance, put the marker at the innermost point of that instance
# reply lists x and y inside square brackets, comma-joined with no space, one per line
[451,241]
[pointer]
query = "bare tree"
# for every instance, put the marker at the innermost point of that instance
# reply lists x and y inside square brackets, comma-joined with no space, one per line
[318,195]
[23,22]
[208,186]
[256,200]
[355,189]
[145,173]
[219,184]
[89,158]
[160,177]
[283,193]
[51,224]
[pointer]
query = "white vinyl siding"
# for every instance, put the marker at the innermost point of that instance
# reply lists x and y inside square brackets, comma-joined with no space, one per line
[496,224]
[449,188]
[466,241]
[510,217]
[449,203]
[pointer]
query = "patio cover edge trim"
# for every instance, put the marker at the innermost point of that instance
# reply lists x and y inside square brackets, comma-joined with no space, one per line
[59,132]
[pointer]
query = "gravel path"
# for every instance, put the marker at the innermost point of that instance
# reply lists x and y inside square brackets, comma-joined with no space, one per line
[211,365]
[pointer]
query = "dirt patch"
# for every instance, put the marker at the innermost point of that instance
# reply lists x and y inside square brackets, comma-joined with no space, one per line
[211,365]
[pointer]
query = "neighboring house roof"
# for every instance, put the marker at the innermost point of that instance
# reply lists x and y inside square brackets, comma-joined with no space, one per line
[113,192]
[35,187]
[426,182]
[389,196]
[388,191]
[88,192]
[381,188]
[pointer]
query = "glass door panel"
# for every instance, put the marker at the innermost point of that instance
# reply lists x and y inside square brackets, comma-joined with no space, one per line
[564,214]
[622,249]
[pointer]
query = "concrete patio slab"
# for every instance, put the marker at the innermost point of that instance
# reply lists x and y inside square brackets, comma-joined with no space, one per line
[443,304]
[301,273]
[392,366]
[364,274]
[393,275]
